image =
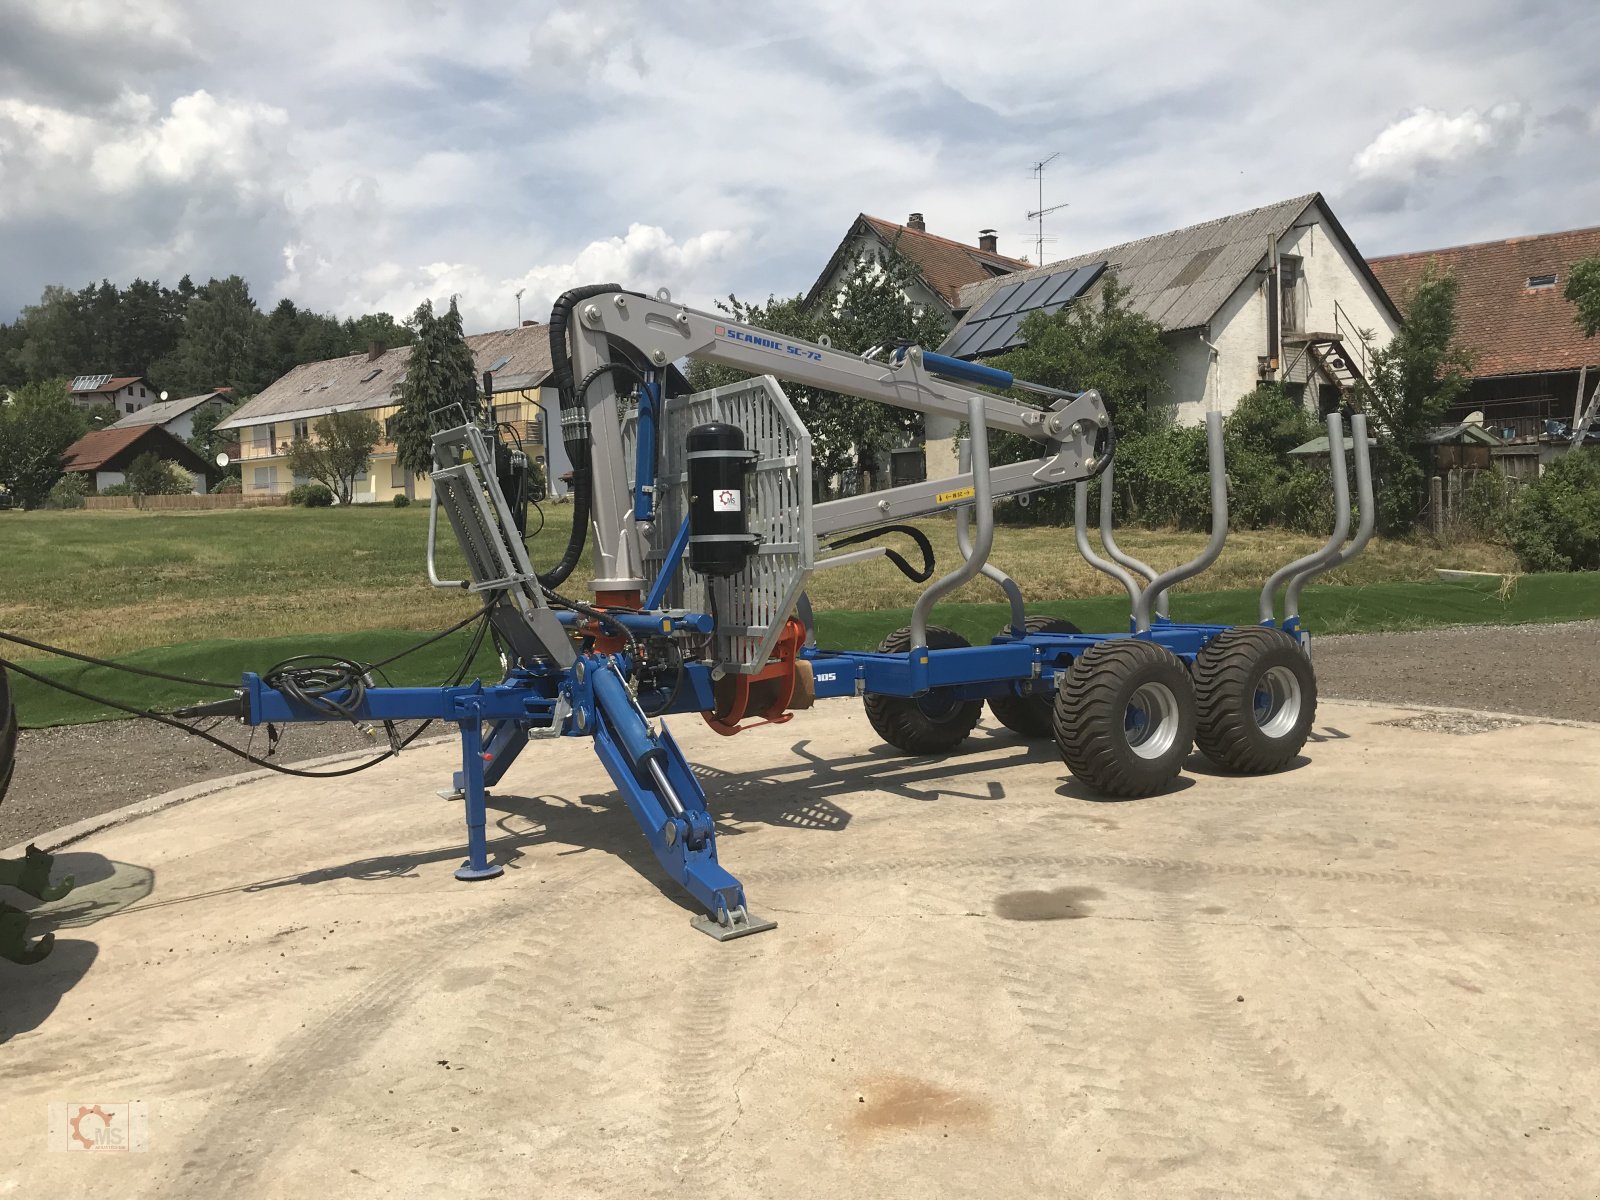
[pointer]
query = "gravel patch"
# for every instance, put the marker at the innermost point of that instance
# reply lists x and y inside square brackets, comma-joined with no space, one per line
[76,772]
[1458,724]
[1528,670]
[73,772]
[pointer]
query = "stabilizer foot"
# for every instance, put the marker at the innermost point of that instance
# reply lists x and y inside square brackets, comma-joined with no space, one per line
[451,793]
[740,924]
[466,871]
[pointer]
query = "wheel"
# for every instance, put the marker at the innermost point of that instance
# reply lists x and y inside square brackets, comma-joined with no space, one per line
[8,733]
[927,724]
[1125,717]
[1256,696]
[1031,716]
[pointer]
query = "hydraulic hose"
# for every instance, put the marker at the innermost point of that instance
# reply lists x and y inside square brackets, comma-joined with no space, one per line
[574,427]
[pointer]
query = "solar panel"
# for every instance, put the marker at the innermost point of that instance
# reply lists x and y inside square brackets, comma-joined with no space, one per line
[994,325]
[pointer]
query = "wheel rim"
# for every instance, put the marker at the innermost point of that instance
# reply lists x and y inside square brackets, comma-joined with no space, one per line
[1277,700]
[938,705]
[1150,721]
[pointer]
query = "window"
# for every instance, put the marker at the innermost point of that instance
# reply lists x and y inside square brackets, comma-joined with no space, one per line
[302,431]
[391,425]
[1540,282]
[266,479]
[141,390]
[397,475]
[132,407]
[1289,287]
[262,439]
[371,375]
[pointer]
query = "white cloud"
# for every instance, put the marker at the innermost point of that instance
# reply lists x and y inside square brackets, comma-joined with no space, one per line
[1427,139]
[644,258]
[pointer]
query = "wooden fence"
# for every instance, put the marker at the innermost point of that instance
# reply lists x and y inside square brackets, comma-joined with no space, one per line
[171,503]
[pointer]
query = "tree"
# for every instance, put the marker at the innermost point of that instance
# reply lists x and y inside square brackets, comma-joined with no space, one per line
[151,475]
[1583,289]
[1105,344]
[101,416]
[341,450]
[439,374]
[869,308]
[35,430]
[221,344]
[1412,382]
[206,439]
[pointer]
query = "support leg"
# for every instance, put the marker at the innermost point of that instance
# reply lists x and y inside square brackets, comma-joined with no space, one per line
[477,865]
[660,789]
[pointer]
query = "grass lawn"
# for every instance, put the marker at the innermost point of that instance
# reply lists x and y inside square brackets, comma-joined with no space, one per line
[213,594]
[110,583]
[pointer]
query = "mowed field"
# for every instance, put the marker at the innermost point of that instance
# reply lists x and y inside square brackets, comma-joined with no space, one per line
[110,583]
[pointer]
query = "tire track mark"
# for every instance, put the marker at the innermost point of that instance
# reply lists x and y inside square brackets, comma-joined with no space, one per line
[1268,1067]
[1516,889]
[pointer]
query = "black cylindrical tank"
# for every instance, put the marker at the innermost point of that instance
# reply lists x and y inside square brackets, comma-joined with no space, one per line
[719,530]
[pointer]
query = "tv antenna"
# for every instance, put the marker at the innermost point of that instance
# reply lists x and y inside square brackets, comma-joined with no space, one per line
[1040,213]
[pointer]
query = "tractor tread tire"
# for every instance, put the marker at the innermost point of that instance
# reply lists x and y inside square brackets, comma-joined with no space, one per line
[1226,672]
[1090,712]
[1031,716]
[901,721]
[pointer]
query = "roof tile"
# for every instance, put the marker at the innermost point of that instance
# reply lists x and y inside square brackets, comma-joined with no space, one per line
[1510,328]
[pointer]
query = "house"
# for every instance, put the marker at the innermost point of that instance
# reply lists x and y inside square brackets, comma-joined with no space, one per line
[1275,294]
[518,359]
[943,267]
[105,454]
[125,393]
[1534,369]
[177,416]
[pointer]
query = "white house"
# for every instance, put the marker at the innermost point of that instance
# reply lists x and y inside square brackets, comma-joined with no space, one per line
[126,393]
[524,400]
[1274,294]
[177,416]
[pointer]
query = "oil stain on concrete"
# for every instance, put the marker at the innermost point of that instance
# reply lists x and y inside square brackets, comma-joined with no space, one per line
[890,1103]
[1057,904]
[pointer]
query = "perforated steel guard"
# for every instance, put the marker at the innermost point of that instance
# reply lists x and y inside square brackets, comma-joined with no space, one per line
[751,607]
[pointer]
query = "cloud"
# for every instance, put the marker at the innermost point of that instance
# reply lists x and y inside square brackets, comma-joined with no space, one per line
[1427,139]
[644,258]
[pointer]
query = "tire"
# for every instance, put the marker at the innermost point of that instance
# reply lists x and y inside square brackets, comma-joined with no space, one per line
[8,733]
[1256,697]
[929,724]
[1125,717]
[1031,716]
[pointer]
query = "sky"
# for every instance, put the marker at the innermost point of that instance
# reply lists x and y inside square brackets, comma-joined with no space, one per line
[357,156]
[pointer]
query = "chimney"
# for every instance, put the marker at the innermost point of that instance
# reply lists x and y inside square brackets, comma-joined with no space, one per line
[374,351]
[988,242]
[915,221]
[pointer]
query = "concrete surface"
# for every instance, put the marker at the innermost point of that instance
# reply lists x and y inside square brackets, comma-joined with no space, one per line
[1372,975]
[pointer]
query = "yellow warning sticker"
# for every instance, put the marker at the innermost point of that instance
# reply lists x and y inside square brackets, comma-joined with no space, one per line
[965,493]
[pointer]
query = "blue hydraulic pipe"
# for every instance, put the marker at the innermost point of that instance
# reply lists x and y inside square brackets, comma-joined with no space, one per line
[644,475]
[967,372]
[669,568]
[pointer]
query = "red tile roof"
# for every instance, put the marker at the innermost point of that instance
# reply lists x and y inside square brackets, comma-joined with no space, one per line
[110,449]
[1511,329]
[946,266]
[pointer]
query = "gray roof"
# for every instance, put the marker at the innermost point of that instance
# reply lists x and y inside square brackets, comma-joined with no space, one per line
[357,381]
[168,410]
[1178,279]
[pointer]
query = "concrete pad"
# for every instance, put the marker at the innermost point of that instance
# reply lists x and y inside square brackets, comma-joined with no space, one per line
[1372,975]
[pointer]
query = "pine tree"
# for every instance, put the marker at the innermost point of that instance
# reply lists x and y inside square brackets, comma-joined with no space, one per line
[441,373]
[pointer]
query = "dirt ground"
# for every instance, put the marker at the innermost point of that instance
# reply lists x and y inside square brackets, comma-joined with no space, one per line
[69,774]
